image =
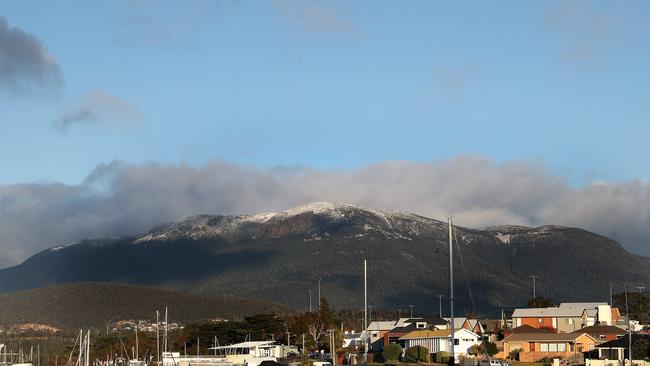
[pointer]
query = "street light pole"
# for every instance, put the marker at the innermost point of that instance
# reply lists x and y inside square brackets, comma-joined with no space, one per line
[411,306]
[440,304]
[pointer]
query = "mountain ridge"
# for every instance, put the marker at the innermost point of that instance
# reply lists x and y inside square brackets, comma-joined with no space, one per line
[279,256]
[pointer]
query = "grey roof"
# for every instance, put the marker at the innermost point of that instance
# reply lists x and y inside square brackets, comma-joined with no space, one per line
[565,310]
[591,312]
[382,325]
[581,305]
[546,312]
[458,321]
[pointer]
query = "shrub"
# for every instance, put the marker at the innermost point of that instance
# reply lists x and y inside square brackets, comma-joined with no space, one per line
[416,354]
[443,357]
[514,354]
[392,352]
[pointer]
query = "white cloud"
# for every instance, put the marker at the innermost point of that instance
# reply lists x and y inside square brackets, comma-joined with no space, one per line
[117,199]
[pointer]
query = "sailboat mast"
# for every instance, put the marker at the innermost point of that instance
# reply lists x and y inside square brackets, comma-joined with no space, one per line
[137,346]
[451,291]
[365,310]
[166,328]
[158,336]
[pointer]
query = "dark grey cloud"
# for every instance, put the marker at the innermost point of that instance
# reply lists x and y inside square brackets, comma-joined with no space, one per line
[117,200]
[24,62]
[99,107]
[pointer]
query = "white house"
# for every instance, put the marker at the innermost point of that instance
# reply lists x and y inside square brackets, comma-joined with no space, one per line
[438,340]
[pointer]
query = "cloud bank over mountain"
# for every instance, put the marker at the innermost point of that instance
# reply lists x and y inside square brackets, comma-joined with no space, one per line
[118,199]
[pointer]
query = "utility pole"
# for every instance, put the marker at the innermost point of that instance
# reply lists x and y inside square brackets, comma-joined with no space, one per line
[640,288]
[411,306]
[440,304]
[303,344]
[319,295]
[534,294]
[611,303]
[332,347]
[310,301]
[451,293]
[365,311]
[629,328]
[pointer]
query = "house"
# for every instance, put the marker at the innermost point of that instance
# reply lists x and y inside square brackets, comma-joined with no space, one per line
[394,335]
[438,340]
[352,339]
[539,345]
[566,318]
[376,331]
[386,332]
[472,325]
[616,349]
[603,333]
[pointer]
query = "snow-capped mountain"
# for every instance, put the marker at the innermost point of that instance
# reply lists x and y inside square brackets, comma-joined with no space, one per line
[279,256]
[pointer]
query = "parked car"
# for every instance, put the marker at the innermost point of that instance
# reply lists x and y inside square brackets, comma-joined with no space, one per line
[492,363]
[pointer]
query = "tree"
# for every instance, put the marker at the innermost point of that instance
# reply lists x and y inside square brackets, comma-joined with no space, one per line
[479,349]
[416,354]
[326,313]
[641,349]
[392,352]
[514,354]
[540,302]
[316,327]
[638,303]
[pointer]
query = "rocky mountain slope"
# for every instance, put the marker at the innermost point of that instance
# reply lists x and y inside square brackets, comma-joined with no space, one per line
[280,256]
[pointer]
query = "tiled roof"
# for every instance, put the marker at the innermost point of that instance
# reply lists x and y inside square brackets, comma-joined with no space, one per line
[542,337]
[529,329]
[601,329]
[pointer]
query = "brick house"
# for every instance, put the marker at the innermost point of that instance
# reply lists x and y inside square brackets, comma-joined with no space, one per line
[539,345]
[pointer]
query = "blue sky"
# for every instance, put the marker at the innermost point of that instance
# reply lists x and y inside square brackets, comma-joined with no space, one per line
[495,112]
[335,85]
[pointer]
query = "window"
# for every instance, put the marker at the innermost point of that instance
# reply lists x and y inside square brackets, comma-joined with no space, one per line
[456,342]
[552,347]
